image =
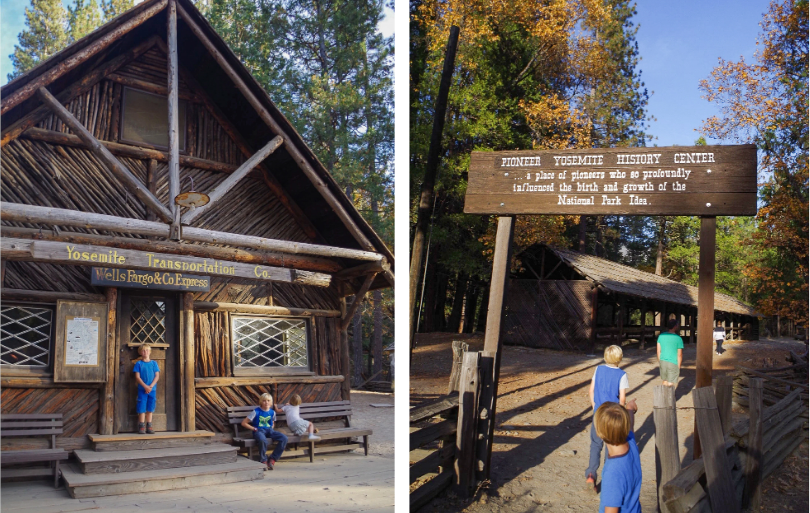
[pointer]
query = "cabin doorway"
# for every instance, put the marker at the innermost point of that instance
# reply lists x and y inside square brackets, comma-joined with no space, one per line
[146,317]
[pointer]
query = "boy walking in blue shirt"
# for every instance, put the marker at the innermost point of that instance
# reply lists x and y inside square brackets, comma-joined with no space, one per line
[261,421]
[621,479]
[146,371]
[609,383]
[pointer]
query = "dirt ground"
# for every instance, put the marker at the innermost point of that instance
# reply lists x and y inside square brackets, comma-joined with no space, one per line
[543,420]
[332,483]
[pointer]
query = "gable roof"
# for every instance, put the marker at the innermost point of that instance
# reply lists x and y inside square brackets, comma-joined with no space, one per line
[311,193]
[624,279]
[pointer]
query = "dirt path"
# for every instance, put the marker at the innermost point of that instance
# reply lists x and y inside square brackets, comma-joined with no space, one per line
[543,417]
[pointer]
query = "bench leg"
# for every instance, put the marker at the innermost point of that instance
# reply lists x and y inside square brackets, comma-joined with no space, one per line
[311,452]
[365,443]
[56,474]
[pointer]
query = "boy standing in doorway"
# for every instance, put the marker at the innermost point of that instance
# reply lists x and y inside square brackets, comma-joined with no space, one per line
[670,353]
[146,371]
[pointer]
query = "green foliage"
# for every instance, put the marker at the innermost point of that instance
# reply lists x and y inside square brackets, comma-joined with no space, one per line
[83,18]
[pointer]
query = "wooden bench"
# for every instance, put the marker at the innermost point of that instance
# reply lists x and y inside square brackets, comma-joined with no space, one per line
[28,425]
[311,412]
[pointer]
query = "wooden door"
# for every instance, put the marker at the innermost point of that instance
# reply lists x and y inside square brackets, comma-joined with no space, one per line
[147,318]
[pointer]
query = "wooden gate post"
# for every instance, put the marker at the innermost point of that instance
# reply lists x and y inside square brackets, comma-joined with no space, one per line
[722,392]
[667,459]
[753,463]
[486,384]
[719,483]
[467,422]
[459,349]
[705,342]
[492,336]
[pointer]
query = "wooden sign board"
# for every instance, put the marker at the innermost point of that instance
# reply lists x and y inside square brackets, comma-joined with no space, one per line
[675,180]
[152,280]
[80,254]
[80,352]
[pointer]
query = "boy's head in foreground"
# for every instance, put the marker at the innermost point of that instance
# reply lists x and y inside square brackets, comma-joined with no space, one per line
[295,400]
[612,423]
[266,401]
[613,355]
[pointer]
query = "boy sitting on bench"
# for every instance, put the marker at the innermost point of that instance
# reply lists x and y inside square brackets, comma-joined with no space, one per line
[261,421]
[296,424]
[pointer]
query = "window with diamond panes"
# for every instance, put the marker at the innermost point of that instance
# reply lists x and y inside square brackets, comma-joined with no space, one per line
[148,321]
[26,336]
[267,343]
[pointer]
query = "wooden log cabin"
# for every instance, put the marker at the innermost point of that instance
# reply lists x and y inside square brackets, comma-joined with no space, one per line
[565,300]
[106,246]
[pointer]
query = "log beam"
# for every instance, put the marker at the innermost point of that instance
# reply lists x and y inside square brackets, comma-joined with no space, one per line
[150,87]
[65,217]
[81,86]
[301,262]
[113,36]
[222,189]
[358,298]
[119,170]
[48,296]
[125,150]
[263,309]
[302,162]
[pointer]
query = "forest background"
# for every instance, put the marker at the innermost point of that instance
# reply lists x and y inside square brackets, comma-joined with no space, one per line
[567,75]
[327,68]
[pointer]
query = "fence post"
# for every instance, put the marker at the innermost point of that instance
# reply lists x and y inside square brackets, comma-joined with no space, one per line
[753,462]
[667,459]
[720,485]
[722,392]
[486,389]
[465,433]
[459,348]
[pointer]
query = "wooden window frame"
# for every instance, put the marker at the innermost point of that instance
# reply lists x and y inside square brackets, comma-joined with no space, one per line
[273,371]
[183,130]
[29,371]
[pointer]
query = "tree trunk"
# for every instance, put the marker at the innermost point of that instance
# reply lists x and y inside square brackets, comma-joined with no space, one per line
[429,306]
[471,306]
[482,310]
[583,231]
[659,258]
[439,319]
[357,347]
[458,303]
[598,250]
[377,336]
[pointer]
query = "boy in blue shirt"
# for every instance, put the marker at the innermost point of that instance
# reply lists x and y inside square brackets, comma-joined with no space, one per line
[261,421]
[621,479]
[146,371]
[609,383]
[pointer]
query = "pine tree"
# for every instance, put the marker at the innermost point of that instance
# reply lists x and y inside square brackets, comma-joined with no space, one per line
[83,18]
[46,33]
[112,8]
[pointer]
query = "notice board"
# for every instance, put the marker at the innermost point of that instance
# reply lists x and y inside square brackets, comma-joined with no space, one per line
[80,355]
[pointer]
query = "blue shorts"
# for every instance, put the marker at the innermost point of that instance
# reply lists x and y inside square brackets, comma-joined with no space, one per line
[145,402]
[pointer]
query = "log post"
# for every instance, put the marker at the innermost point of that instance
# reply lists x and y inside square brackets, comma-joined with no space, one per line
[345,364]
[107,413]
[643,324]
[667,459]
[753,463]
[705,342]
[465,432]
[174,132]
[187,343]
[459,349]
[720,485]
[594,305]
[499,285]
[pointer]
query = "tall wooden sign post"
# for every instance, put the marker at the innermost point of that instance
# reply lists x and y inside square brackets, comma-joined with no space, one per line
[705,181]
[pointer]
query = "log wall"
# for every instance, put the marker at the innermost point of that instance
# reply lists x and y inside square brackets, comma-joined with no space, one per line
[79,407]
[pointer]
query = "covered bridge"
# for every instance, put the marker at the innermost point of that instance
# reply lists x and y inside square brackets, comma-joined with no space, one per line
[566,300]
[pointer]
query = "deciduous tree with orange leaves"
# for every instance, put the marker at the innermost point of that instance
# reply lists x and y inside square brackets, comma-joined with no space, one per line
[766,103]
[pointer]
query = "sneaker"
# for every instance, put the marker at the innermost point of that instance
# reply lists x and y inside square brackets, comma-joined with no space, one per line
[314,437]
[141,428]
[149,429]
[270,463]
[265,462]
[590,484]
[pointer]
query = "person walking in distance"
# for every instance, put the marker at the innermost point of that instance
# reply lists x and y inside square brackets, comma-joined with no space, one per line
[670,353]
[719,336]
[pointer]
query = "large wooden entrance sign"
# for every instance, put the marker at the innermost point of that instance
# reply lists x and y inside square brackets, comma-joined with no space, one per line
[705,181]
[679,180]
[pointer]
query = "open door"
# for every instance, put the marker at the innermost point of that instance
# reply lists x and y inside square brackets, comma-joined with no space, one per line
[147,318]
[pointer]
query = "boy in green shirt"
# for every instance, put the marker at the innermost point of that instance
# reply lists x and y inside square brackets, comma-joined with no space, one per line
[670,353]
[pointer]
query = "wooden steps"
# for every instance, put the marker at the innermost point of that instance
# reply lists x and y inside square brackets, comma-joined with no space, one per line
[164,440]
[82,486]
[132,463]
[92,462]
